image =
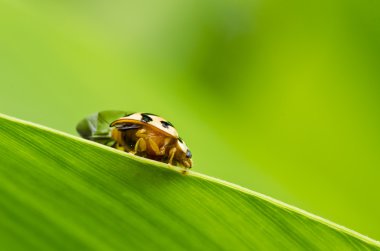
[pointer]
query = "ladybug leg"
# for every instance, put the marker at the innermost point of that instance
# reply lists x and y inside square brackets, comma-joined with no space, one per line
[163,148]
[117,136]
[141,133]
[140,146]
[155,147]
[171,155]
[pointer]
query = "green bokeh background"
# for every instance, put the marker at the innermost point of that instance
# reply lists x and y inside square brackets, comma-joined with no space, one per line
[281,97]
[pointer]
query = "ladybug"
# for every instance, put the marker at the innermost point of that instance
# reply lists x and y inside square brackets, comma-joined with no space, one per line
[143,134]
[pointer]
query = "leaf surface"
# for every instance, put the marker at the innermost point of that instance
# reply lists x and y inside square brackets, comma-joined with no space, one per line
[60,192]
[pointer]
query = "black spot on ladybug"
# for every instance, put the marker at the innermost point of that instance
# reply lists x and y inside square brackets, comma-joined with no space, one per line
[180,139]
[188,154]
[166,124]
[145,118]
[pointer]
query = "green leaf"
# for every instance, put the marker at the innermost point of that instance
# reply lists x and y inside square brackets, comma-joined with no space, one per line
[62,192]
[96,127]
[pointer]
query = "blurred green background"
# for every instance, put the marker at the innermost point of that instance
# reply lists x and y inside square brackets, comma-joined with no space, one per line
[278,96]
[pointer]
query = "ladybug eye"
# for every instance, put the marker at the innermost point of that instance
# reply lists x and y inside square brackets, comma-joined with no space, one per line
[188,154]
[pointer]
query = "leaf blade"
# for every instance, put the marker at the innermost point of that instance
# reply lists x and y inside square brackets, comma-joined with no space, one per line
[61,192]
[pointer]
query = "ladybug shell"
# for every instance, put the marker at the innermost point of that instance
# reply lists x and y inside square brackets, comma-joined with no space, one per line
[149,119]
